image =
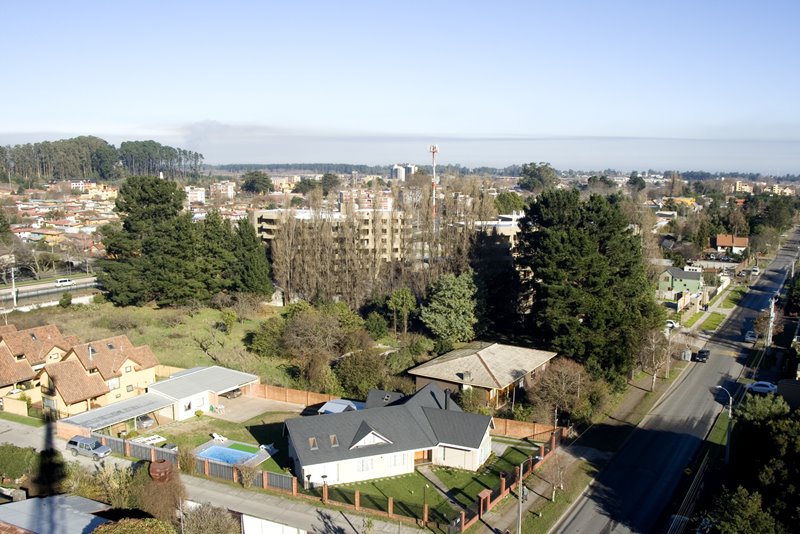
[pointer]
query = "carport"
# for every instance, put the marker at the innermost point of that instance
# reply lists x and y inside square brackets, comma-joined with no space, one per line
[102,419]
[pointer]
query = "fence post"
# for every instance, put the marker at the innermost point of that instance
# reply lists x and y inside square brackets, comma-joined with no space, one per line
[390,507]
[358,500]
[463,520]
[205,467]
[103,440]
[541,452]
[152,454]
[265,481]
[502,484]
[127,448]
[294,484]
[517,476]
[553,440]
[424,514]
[325,492]
[235,475]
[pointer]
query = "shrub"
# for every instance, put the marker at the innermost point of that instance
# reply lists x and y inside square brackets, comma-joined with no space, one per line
[228,319]
[198,413]
[419,345]
[171,320]
[161,499]
[66,300]
[16,461]
[247,475]
[186,460]
[99,298]
[136,526]
[207,518]
[376,325]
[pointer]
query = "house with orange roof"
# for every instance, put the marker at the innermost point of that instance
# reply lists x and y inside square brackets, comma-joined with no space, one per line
[96,374]
[24,352]
[731,243]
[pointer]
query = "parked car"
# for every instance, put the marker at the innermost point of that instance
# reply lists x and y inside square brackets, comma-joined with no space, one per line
[144,421]
[88,447]
[65,282]
[232,394]
[755,271]
[750,337]
[702,355]
[672,324]
[761,388]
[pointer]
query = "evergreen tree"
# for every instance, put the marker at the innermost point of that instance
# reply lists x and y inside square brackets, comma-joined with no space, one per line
[216,253]
[449,312]
[589,294]
[250,273]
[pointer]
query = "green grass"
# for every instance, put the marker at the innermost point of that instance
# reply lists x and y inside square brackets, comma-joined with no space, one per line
[694,318]
[261,430]
[174,335]
[544,514]
[407,489]
[244,448]
[30,421]
[719,432]
[713,322]
[733,296]
[466,485]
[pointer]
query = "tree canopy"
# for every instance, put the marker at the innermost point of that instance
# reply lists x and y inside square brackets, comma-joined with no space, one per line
[449,312]
[537,177]
[257,182]
[509,202]
[586,284]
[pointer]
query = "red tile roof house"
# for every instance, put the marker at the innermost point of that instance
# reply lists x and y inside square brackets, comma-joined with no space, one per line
[96,374]
[31,348]
[730,243]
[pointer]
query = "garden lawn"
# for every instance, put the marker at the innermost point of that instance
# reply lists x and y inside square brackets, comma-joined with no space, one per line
[693,319]
[244,448]
[261,430]
[713,322]
[465,485]
[408,491]
[174,335]
[733,297]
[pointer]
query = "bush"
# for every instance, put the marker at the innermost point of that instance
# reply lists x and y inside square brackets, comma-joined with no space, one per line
[66,300]
[376,325]
[209,519]
[99,298]
[198,414]
[247,475]
[160,499]
[171,320]
[136,526]
[16,461]
[186,460]
[419,345]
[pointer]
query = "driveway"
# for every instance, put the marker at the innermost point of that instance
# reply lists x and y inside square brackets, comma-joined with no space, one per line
[244,408]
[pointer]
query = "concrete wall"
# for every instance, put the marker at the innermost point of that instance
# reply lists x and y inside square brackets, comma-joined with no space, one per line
[15,406]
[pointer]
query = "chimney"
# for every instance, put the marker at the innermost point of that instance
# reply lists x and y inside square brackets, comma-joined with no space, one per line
[446,399]
[466,376]
[91,352]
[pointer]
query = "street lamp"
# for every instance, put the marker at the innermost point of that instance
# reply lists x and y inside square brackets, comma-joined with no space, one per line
[730,422]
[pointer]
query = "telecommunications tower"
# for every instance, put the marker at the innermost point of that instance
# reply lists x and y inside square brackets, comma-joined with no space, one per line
[433,149]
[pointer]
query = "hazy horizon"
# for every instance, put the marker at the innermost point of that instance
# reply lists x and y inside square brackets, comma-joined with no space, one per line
[626,85]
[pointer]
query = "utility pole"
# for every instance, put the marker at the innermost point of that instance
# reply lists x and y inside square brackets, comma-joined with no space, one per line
[13,289]
[519,498]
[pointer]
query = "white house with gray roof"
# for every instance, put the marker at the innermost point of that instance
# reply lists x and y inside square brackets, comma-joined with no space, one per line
[389,440]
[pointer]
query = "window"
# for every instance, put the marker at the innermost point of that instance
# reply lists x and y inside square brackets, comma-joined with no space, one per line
[312,444]
[364,465]
[33,336]
[112,383]
[127,368]
[130,388]
[110,346]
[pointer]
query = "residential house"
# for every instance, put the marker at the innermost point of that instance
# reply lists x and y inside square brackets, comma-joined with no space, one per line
[492,371]
[731,244]
[427,427]
[673,281]
[96,374]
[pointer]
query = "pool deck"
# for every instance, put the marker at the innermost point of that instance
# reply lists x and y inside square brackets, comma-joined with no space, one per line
[261,456]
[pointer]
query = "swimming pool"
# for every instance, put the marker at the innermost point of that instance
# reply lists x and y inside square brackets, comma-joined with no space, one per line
[225,454]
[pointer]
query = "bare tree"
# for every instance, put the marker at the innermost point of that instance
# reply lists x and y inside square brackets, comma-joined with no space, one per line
[654,354]
[562,387]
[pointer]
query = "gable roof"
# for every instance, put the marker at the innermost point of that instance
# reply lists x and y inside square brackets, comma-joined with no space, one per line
[728,240]
[110,354]
[680,274]
[13,371]
[73,382]
[35,343]
[379,397]
[486,365]
[415,423]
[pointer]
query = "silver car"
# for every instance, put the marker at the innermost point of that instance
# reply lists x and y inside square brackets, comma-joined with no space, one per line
[88,447]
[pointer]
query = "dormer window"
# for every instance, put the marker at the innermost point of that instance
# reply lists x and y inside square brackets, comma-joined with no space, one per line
[334,440]
[312,444]
[20,357]
[386,398]
[33,336]
[110,346]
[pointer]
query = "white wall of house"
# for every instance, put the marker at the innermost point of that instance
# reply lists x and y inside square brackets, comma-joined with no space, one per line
[369,467]
[185,408]
[461,458]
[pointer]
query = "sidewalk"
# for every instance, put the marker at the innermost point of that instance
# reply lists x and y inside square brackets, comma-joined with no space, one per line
[587,447]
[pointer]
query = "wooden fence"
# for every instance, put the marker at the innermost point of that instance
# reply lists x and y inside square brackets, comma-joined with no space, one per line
[520,429]
[294,396]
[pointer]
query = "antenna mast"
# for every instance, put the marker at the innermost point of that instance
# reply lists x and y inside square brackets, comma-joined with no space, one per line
[433,149]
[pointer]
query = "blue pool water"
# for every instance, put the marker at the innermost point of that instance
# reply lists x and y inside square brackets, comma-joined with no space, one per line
[226,455]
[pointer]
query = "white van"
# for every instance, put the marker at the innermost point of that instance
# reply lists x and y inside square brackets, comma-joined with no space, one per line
[65,282]
[755,271]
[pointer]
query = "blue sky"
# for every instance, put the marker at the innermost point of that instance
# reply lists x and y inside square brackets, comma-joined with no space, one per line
[707,85]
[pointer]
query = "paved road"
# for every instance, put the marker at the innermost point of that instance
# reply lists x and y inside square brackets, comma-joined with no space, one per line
[630,494]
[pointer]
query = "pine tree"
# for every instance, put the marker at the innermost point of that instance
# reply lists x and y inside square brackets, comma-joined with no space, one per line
[250,273]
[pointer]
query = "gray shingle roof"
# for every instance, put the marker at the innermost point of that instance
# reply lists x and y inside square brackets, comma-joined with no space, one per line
[680,274]
[201,379]
[419,422]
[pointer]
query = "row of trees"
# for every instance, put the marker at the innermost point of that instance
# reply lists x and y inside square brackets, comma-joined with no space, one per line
[158,253]
[89,157]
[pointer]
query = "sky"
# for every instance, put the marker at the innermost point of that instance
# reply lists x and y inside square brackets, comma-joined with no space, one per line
[630,85]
